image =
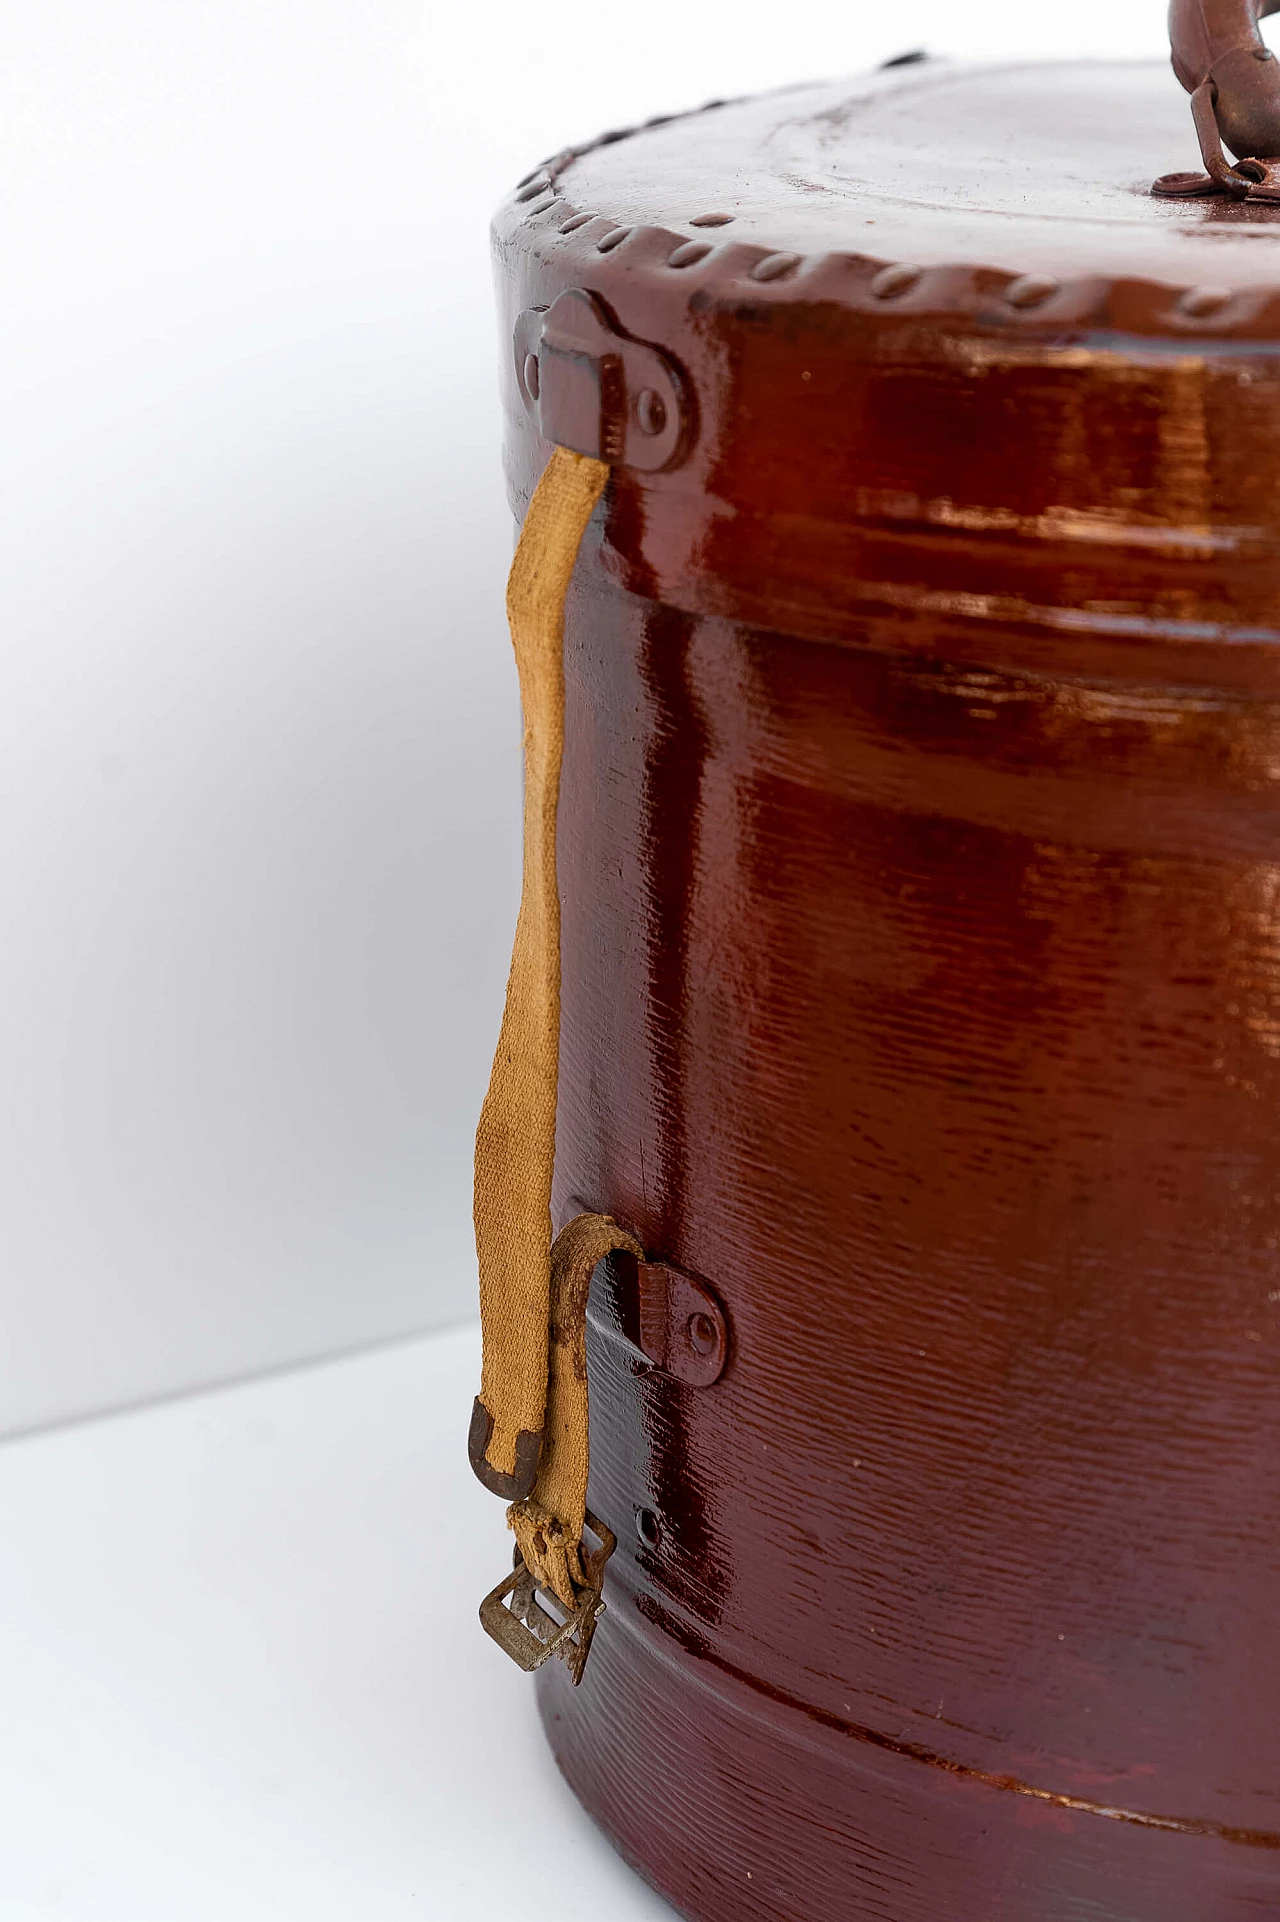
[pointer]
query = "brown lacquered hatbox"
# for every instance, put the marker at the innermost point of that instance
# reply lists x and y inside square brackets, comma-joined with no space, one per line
[919,873]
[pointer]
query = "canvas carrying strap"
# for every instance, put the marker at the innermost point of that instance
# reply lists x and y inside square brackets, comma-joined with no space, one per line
[528,1438]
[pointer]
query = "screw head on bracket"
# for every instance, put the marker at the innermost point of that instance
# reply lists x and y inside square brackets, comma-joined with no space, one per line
[651,413]
[703,1335]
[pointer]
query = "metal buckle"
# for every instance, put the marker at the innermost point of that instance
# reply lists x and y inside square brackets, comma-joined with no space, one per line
[528,1630]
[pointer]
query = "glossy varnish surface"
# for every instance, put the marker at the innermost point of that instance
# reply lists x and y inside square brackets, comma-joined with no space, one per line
[921,993]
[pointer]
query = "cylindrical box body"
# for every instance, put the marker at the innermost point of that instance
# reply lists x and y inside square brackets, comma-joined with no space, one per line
[919,854]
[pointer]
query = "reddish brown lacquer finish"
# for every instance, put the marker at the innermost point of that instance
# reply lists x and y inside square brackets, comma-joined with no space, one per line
[920,858]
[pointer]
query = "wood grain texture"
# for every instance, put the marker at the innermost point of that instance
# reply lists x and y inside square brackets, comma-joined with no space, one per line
[920,858]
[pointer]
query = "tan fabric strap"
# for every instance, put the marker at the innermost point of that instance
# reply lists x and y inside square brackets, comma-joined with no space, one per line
[529,1426]
[548,1525]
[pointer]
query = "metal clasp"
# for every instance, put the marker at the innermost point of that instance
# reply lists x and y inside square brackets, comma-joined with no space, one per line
[593,388]
[532,1625]
[1252,178]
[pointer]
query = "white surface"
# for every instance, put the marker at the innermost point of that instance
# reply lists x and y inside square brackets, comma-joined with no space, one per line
[241,1676]
[259,772]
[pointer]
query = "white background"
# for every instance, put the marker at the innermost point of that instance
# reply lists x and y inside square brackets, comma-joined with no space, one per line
[259,781]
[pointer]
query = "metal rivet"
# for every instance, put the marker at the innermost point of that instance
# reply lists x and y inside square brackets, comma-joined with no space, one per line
[651,412]
[532,376]
[711,220]
[530,191]
[702,1334]
[899,279]
[648,1528]
[579,220]
[614,238]
[773,266]
[688,253]
[1199,302]
[1029,291]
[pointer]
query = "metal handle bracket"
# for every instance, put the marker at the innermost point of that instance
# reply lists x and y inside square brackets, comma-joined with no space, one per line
[682,1326]
[592,388]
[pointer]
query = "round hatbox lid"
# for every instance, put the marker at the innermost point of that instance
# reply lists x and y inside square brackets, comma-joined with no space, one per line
[1038,168]
[939,298]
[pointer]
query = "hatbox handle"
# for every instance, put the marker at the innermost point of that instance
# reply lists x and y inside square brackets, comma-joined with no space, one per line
[1234,82]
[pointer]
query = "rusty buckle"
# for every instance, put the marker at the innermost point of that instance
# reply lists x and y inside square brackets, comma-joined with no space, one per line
[518,1614]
